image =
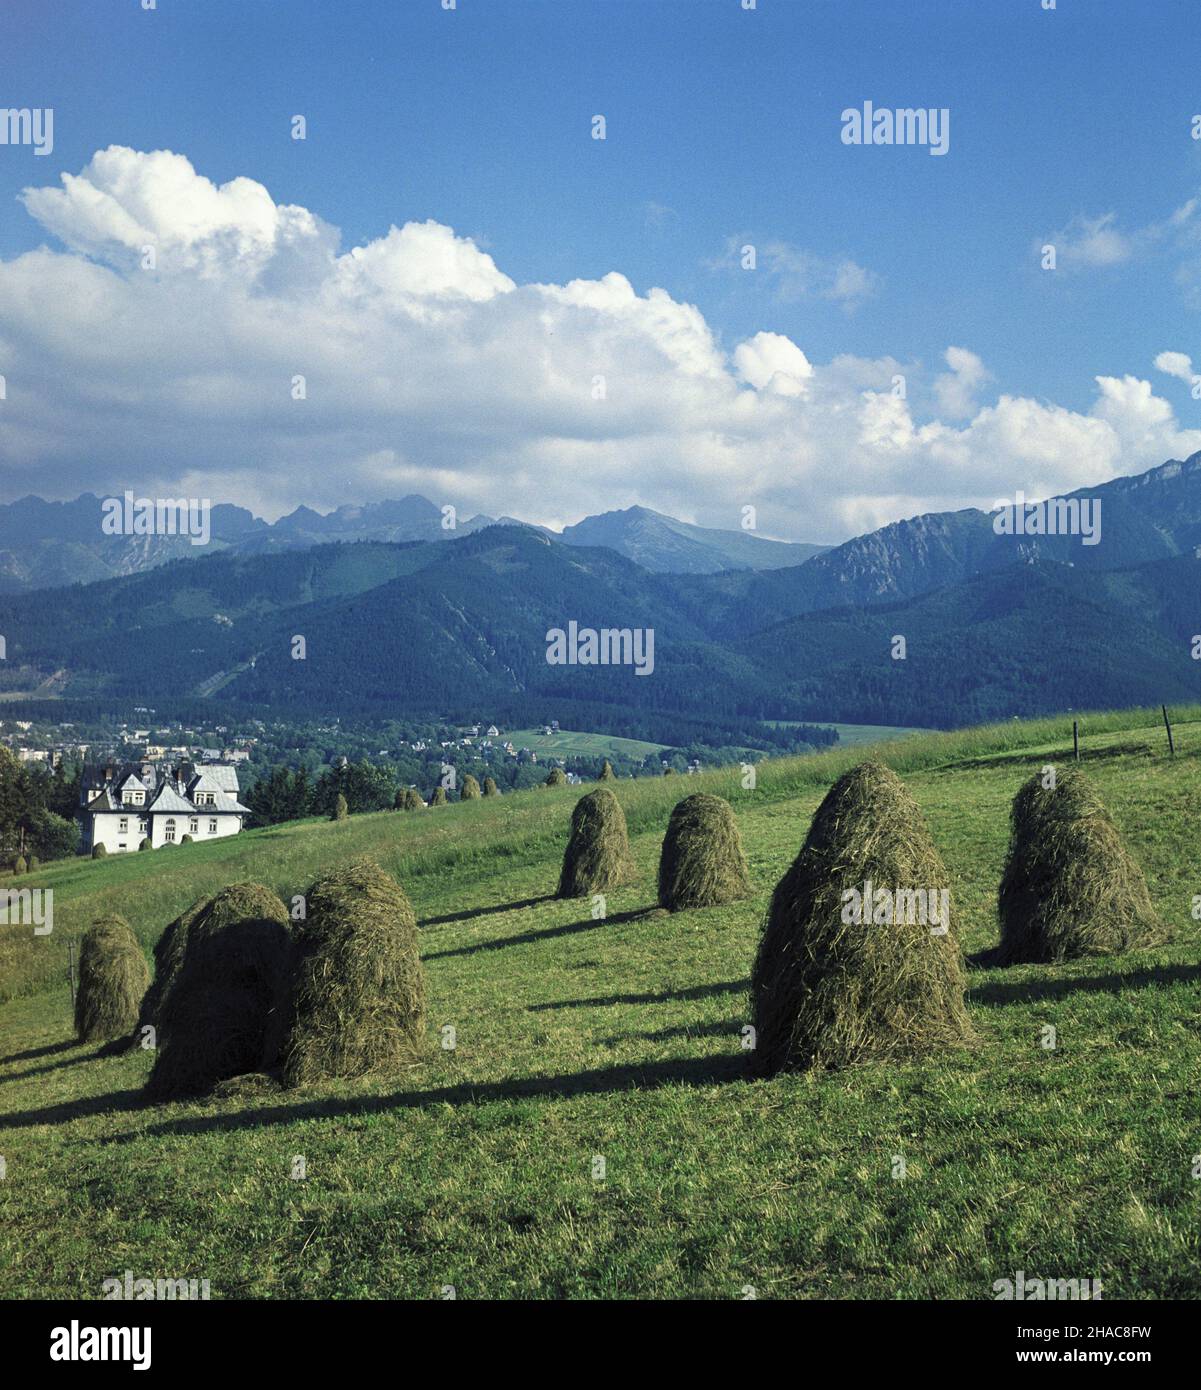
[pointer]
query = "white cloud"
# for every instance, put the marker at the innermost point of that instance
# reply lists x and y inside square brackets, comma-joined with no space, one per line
[955,391]
[1177,364]
[1091,243]
[429,369]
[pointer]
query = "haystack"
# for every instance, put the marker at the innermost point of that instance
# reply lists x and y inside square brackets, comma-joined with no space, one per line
[113,977]
[556,777]
[357,999]
[1070,886]
[341,810]
[702,863]
[439,796]
[827,991]
[490,787]
[99,852]
[226,970]
[606,773]
[470,790]
[413,800]
[598,852]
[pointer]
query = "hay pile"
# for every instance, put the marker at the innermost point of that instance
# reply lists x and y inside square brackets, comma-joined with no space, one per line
[828,993]
[606,773]
[470,790]
[556,777]
[168,958]
[225,971]
[357,998]
[113,977]
[341,810]
[598,852]
[702,863]
[439,796]
[1070,887]
[490,787]
[99,852]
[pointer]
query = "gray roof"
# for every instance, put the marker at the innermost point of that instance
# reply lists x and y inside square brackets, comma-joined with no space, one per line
[219,777]
[168,799]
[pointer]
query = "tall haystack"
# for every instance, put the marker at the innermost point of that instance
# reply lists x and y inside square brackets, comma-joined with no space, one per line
[168,959]
[598,851]
[341,810]
[1070,886]
[439,796]
[606,773]
[490,787]
[226,971]
[113,977]
[413,800]
[470,790]
[357,999]
[556,777]
[702,863]
[830,991]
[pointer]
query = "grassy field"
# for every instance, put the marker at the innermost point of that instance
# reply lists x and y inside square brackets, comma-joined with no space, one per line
[563,743]
[850,735]
[618,1040]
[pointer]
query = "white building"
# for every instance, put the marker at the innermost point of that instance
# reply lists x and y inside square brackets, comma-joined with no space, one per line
[122,807]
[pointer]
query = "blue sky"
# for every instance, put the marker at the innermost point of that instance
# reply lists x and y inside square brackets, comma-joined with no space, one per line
[723,127]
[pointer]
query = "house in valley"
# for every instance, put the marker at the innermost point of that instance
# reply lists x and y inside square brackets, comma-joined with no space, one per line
[122,806]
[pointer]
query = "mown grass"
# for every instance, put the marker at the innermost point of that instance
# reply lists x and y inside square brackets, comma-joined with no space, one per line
[619,1039]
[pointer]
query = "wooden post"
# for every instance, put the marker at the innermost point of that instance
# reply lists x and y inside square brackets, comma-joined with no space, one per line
[71,969]
[1167,723]
[1076,739]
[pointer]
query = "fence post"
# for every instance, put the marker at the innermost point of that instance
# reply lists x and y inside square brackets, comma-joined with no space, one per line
[71,969]
[1076,739]
[1167,723]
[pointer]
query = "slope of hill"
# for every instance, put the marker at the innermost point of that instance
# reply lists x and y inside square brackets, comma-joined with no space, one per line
[622,1037]
[661,543]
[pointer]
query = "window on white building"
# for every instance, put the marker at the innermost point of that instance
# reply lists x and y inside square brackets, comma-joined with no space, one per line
[169,831]
[213,826]
[193,826]
[123,826]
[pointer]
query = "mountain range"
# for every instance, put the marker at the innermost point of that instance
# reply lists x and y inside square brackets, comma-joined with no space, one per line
[994,624]
[45,545]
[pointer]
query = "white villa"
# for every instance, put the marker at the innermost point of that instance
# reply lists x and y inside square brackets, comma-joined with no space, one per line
[123,806]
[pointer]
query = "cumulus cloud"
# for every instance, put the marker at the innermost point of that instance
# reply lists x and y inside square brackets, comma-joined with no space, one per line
[955,391]
[428,369]
[795,273]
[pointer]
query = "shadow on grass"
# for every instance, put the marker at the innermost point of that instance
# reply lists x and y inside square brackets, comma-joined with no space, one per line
[527,938]
[87,1053]
[1034,759]
[724,1028]
[113,1103]
[646,1076]
[608,1000]
[998,993]
[471,912]
[35,1052]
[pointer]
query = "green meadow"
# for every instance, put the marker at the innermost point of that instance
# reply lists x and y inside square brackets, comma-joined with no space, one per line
[592,1132]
